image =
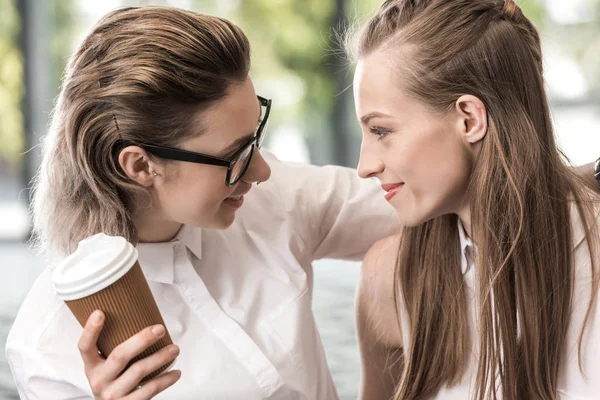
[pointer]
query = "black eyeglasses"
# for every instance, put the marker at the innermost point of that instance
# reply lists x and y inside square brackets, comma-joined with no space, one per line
[237,164]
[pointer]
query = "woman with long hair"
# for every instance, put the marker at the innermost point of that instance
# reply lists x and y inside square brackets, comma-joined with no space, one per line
[490,290]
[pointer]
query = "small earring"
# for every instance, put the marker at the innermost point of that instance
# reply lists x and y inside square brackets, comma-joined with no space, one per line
[154,173]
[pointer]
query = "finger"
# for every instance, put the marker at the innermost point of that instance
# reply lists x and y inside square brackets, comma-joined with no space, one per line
[154,386]
[87,345]
[136,372]
[126,351]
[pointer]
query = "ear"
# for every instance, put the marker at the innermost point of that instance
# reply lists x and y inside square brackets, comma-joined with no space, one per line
[472,115]
[136,164]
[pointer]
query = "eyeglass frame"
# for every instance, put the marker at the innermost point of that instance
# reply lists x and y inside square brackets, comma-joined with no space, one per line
[171,153]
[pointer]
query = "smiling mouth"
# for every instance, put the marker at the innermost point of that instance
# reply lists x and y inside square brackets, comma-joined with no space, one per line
[392,189]
[234,201]
[244,191]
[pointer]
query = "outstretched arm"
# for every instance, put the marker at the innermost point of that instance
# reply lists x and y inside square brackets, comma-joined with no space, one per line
[378,328]
[334,212]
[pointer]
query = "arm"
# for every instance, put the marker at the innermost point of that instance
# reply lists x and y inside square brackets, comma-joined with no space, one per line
[334,212]
[35,380]
[379,333]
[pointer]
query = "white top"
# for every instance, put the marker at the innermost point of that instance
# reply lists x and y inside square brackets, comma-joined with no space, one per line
[572,384]
[98,262]
[237,302]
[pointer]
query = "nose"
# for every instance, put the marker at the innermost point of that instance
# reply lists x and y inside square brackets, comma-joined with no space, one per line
[258,170]
[369,165]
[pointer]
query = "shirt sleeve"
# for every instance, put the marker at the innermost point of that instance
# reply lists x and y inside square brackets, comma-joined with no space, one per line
[35,380]
[335,213]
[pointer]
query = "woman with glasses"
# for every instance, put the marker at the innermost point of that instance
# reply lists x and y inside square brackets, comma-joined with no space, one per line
[156,137]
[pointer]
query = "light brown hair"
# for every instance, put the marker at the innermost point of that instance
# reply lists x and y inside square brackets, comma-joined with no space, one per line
[520,189]
[140,76]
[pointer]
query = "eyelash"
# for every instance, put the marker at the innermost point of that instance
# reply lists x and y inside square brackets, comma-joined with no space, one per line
[380,133]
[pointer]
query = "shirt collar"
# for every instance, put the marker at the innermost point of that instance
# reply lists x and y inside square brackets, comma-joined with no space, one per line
[577,234]
[466,247]
[191,237]
[158,259]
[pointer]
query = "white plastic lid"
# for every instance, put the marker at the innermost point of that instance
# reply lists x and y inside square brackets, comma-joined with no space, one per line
[99,261]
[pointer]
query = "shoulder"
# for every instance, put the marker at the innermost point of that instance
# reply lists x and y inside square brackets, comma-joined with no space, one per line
[584,324]
[41,348]
[42,342]
[293,179]
[306,192]
[38,311]
[376,307]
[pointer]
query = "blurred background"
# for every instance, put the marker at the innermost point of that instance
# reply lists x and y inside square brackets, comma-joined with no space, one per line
[296,63]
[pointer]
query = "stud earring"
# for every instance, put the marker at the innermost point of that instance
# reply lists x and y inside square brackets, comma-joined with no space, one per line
[154,173]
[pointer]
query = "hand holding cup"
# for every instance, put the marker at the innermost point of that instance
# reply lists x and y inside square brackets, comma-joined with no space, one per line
[105,375]
[129,344]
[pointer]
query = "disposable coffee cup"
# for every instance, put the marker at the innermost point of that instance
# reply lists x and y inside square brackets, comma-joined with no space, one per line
[104,274]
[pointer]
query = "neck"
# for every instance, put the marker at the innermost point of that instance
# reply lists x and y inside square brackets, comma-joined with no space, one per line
[152,227]
[465,218]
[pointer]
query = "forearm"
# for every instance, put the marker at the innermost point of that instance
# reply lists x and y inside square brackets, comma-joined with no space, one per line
[334,212]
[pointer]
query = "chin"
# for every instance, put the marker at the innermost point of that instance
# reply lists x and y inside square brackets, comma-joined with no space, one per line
[415,218]
[224,220]
[220,224]
[227,224]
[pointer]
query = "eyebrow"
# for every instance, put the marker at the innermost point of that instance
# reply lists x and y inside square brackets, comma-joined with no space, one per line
[367,117]
[239,142]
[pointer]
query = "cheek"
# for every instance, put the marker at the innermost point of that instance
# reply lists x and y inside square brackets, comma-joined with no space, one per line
[447,181]
[195,197]
[436,170]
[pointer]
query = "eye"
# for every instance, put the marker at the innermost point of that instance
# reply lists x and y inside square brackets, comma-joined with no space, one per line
[379,131]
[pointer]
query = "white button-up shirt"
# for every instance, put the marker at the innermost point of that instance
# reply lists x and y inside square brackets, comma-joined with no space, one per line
[236,301]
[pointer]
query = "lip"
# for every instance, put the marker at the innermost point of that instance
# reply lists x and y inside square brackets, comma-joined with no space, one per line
[243,190]
[236,203]
[391,189]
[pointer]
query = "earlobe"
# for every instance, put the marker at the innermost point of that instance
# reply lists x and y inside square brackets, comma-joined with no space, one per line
[473,115]
[134,162]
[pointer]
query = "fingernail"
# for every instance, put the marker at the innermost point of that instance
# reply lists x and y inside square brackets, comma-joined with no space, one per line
[97,317]
[177,373]
[158,330]
[174,350]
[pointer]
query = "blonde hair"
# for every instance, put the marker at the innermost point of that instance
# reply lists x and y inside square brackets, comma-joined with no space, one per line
[139,76]
[520,189]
